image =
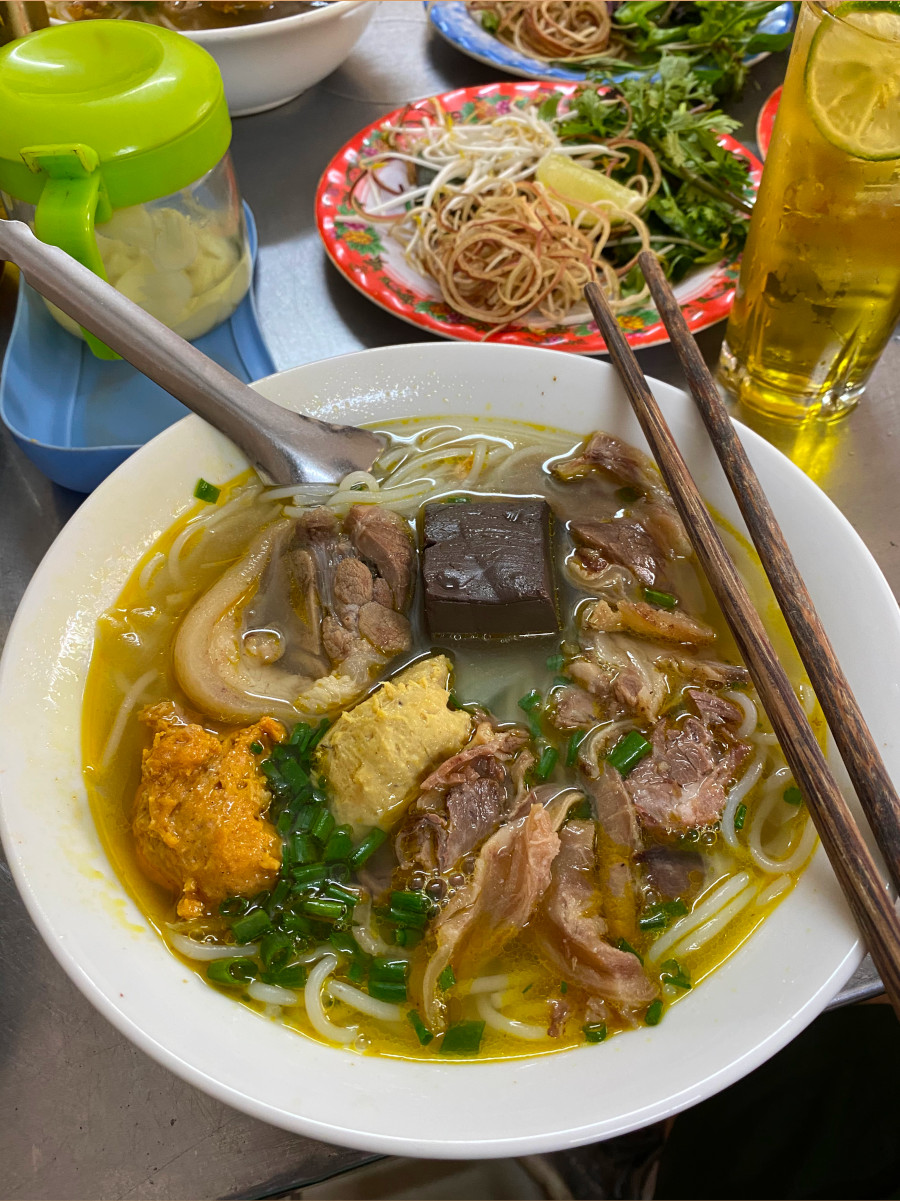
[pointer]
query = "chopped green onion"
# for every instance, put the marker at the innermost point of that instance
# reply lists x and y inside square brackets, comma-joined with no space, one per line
[740,816]
[527,986]
[339,871]
[367,847]
[322,826]
[233,973]
[530,701]
[423,1034]
[388,990]
[563,988]
[575,742]
[292,976]
[234,906]
[415,902]
[407,938]
[624,945]
[277,897]
[406,917]
[389,971]
[275,947]
[661,915]
[462,1038]
[339,844]
[337,893]
[595,1032]
[546,763]
[311,873]
[673,973]
[628,752]
[342,941]
[323,908]
[556,662]
[447,978]
[295,924]
[490,23]
[665,600]
[357,971]
[306,815]
[284,823]
[793,795]
[256,748]
[581,812]
[246,929]
[303,849]
[654,1012]
[206,491]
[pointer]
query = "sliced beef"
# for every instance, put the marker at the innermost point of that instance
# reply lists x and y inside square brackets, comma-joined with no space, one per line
[511,875]
[383,538]
[673,873]
[621,541]
[662,523]
[708,671]
[623,462]
[680,786]
[385,628]
[352,584]
[571,930]
[713,709]
[618,843]
[593,678]
[461,803]
[614,808]
[574,709]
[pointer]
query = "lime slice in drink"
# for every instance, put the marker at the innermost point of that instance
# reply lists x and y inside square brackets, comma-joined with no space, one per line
[853,79]
[579,185]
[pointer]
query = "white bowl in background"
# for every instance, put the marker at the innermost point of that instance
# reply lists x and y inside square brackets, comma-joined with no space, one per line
[773,986]
[267,64]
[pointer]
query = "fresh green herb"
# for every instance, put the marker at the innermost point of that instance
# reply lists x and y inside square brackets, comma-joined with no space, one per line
[415,902]
[490,22]
[547,108]
[275,949]
[447,978]
[654,1012]
[246,929]
[323,908]
[206,491]
[563,988]
[595,1032]
[234,906]
[366,848]
[423,1034]
[673,973]
[256,748]
[740,816]
[661,915]
[530,701]
[233,973]
[546,763]
[339,845]
[302,849]
[581,812]
[556,662]
[292,976]
[665,600]
[322,826]
[793,795]
[575,741]
[526,988]
[624,945]
[389,971]
[337,892]
[388,990]
[462,1038]
[308,874]
[357,971]
[628,752]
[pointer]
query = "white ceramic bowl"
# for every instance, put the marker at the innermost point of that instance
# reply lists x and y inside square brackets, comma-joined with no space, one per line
[754,1004]
[269,63]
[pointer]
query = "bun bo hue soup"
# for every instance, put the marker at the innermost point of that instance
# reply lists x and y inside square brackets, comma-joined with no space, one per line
[456,759]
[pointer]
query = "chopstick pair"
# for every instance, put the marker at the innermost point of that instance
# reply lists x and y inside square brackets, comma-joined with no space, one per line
[850,857]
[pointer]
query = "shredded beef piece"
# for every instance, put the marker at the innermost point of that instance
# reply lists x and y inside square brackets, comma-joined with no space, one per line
[383,537]
[611,454]
[713,709]
[675,874]
[574,709]
[621,541]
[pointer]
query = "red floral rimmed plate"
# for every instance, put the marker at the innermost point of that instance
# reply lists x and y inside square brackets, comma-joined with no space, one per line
[765,122]
[374,263]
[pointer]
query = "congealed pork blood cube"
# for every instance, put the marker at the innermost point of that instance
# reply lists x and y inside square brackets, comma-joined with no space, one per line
[487,568]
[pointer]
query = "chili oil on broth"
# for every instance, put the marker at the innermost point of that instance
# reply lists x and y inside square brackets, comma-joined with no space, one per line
[132,667]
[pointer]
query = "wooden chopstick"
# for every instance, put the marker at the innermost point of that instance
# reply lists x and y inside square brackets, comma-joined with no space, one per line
[852,735]
[851,859]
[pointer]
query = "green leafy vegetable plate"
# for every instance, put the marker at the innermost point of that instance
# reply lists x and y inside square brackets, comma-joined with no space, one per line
[366,254]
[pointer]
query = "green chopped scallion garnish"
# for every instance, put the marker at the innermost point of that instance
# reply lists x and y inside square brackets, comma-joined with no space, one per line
[367,847]
[624,945]
[673,973]
[530,701]
[575,741]
[661,915]
[740,816]
[665,600]
[389,971]
[339,845]
[206,491]
[423,1034]
[628,752]
[654,1012]
[322,826]
[546,763]
[462,1038]
[323,908]
[412,901]
[556,662]
[256,748]
[252,926]
[291,976]
[387,990]
[793,795]
[490,23]
[233,973]
[447,978]
[563,988]
[595,1032]
[275,948]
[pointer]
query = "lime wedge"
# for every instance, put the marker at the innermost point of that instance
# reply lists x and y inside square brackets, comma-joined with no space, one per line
[579,185]
[853,79]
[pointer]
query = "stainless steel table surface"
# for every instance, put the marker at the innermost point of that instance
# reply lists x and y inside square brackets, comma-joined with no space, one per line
[85,1114]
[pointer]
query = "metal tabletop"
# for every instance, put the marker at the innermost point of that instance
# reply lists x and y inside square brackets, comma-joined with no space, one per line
[85,1114]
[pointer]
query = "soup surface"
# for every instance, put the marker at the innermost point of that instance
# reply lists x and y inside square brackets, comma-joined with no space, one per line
[414,841]
[185,15]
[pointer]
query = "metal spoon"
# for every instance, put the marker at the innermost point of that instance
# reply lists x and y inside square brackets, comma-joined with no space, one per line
[284,447]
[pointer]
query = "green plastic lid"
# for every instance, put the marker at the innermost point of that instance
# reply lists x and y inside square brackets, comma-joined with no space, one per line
[147,101]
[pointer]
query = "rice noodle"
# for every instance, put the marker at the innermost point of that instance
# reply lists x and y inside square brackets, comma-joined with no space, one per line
[715,925]
[736,795]
[272,994]
[367,938]
[312,995]
[552,30]
[493,1018]
[747,707]
[489,984]
[722,894]
[206,952]
[774,890]
[149,569]
[764,811]
[130,699]
[384,1011]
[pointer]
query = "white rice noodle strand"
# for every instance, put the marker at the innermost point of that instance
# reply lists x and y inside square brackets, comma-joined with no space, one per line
[749,710]
[722,895]
[271,994]
[384,1011]
[489,984]
[788,863]
[716,924]
[129,700]
[736,795]
[367,938]
[494,1018]
[206,952]
[312,995]
[773,891]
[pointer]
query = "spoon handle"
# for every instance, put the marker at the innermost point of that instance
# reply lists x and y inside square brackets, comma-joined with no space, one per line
[284,446]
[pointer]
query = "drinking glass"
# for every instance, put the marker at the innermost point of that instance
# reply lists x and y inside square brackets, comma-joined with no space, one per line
[819,290]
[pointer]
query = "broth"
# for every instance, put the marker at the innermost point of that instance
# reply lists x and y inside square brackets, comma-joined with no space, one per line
[132,666]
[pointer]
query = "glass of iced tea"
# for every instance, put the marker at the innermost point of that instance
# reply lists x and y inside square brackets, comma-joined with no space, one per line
[819,291]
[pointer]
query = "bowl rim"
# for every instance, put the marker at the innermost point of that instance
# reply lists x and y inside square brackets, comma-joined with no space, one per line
[673,1097]
[259,29]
